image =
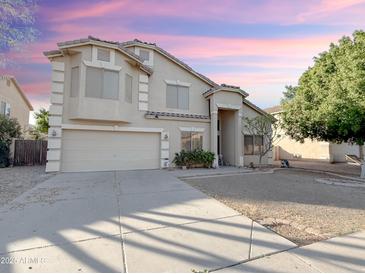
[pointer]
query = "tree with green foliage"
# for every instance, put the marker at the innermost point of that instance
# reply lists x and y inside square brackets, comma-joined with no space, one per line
[9,129]
[16,25]
[329,102]
[42,120]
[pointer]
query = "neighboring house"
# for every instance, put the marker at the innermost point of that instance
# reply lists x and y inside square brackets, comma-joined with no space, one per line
[13,101]
[132,105]
[287,148]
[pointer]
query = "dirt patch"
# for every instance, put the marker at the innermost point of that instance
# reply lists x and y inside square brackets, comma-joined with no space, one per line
[17,180]
[291,203]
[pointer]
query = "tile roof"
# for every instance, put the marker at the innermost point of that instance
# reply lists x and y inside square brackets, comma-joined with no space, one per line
[94,39]
[225,87]
[179,115]
[137,42]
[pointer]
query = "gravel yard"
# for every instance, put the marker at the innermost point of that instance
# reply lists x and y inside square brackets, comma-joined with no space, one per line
[291,202]
[16,180]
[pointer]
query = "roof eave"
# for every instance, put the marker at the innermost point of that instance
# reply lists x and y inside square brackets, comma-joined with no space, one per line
[22,94]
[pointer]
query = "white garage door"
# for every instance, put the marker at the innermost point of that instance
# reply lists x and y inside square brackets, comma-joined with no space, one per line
[100,150]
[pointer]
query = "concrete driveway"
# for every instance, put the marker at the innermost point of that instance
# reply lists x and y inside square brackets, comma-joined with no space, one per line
[130,221]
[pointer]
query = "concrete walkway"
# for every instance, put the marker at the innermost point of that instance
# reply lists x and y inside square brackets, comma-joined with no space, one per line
[341,254]
[131,221]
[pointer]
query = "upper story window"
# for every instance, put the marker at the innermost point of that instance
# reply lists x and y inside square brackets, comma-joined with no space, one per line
[4,108]
[102,83]
[103,55]
[128,88]
[75,80]
[144,55]
[177,97]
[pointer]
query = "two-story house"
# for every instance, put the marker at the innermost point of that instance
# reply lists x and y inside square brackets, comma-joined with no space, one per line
[13,102]
[132,105]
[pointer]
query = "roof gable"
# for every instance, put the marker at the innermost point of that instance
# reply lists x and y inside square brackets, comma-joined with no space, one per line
[169,56]
[224,87]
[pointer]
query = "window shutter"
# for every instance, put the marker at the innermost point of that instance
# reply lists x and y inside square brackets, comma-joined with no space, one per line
[171,96]
[94,81]
[183,97]
[110,85]
[248,145]
[2,108]
[75,80]
[7,109]
[128,88]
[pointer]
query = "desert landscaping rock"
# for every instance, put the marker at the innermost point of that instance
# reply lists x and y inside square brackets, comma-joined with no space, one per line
[17,180]
[291,203]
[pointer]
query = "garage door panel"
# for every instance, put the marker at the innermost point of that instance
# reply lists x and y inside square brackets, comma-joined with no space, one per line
[99,150]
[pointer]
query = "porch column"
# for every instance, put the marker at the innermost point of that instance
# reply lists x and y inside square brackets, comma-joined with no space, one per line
[238,138]
[213,136]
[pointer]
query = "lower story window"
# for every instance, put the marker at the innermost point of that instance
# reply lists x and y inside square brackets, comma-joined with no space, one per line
[191,140]
[253,144]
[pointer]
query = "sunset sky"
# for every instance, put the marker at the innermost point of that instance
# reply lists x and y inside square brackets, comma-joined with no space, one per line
[259,45]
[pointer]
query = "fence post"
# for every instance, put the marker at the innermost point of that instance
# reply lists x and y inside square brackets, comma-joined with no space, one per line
[12,151]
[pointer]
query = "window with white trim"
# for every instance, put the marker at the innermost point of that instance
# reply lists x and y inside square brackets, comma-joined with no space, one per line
[177,96]
[75,80]
[191,140]
[128,88]
[102,83]
[103,55]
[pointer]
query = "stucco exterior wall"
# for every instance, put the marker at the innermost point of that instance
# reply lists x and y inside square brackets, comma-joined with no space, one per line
[18,108]
[148,94]
[290,149]
[100,112]
[338,151]
[255,159]
[164,69]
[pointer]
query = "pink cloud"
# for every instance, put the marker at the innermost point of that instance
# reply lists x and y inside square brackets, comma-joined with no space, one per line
[37,88]
[326,8]
[271,11]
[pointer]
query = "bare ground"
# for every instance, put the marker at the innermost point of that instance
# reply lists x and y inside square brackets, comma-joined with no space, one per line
[291,203]
[17,180]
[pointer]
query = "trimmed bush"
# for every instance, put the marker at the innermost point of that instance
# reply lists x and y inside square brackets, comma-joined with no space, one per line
[9,128]
[195,158]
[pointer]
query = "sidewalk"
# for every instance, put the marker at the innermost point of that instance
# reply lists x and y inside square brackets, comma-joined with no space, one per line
[340,254]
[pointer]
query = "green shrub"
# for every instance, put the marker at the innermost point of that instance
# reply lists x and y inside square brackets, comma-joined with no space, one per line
[9,128]
[195,158]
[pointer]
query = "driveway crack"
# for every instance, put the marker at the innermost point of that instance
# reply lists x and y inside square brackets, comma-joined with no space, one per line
[117,183]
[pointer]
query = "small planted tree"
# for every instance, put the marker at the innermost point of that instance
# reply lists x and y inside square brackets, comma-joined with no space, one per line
[265,126]
[9,129]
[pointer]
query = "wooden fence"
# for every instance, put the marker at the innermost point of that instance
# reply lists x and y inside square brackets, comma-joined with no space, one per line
[30,152]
